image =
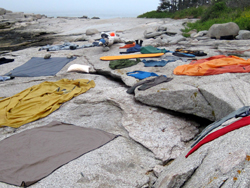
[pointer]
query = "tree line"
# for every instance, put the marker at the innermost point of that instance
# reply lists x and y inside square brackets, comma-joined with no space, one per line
[175,5]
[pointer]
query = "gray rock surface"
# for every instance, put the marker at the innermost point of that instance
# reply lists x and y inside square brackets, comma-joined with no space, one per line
[91,31]
[2,11]
[12,16]
[156,126]
[223,162]
[243,35]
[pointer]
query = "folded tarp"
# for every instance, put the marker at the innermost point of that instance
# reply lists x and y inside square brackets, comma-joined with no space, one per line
[40,100]
[33,154]
[38,66]
[230,64]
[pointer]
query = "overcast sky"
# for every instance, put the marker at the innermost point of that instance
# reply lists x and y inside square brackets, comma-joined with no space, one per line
[37,6]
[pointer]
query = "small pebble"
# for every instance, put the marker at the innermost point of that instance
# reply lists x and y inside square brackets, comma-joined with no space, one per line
[70,56]
[105,49]
[47,56]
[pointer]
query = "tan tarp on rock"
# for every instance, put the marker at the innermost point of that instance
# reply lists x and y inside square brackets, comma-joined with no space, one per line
[40,100]
[33,154]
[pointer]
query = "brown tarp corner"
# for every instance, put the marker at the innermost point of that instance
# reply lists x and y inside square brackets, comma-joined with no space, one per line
[33,154]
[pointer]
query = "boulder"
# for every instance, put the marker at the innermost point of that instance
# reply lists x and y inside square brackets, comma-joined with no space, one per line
[223,30]
[38,16]
[5,25]
[175,39]
[13,16]
[82,38]
[8,11]
[192,32]
[154,32]
[84,17]
[243,35]
[91,31]
[47,56]
[2,11]
[162,28]
[177,97]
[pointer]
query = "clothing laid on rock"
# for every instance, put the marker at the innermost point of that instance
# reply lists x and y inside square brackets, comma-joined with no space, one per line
[38,66]
[194,52]
[236,125]
[141,74]
[151,49]
[123,63]
[67,46]
[4,78]
[230,64]
[136,48]
[33,154]
[40,100]
[3,60]
[179,54]
[154,63]
[241,112]
[146,84]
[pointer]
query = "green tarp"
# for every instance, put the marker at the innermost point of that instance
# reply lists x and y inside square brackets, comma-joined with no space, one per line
[151,50]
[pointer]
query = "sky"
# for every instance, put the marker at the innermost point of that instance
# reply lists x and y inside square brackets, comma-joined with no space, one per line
[85,7]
